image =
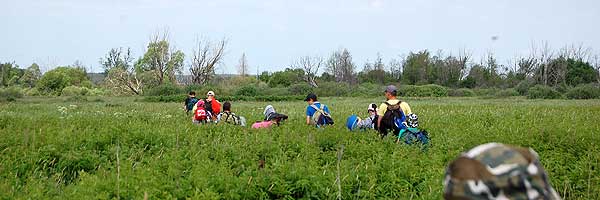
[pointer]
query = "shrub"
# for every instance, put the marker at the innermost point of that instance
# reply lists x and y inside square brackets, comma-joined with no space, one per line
[584,92]
[165,89]
[248,90]
[300,88]
[74,91]
[542,92]
[33,92]
[96,92]
[10,93]
[485,92]
[55,80]
[430,90]
[368,89]
[523,87]
[462,92]
[507,93]
[329,89]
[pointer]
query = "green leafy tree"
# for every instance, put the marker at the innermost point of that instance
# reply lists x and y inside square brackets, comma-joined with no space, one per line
[31,75]
[162,61]
[264,76]
[287,77]
[10,74]
[415,67]
[55,80]
[579,72]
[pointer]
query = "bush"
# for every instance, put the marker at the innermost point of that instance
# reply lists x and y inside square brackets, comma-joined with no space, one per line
[10,93]
[300,88]
[542,92]
[485,92]
[430,90]
[33,92]
[584,92]
[248,90]
[507,93]
[368,89]
[180,98]
[96,92]
[74,91]
[333,89]
[462,92]
[165,89]
[523,87]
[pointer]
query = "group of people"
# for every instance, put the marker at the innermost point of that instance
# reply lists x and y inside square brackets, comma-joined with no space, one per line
[488,171]
[389,116]
[209,111]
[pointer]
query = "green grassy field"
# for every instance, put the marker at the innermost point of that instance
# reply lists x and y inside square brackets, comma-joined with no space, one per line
[117,148]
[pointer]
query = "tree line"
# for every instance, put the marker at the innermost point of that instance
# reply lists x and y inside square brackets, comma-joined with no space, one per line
[162,63]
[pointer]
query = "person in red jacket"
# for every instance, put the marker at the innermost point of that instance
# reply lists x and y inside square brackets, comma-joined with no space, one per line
[212,104]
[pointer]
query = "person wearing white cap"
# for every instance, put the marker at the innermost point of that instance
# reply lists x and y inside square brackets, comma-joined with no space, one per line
[371,121]
[211,105]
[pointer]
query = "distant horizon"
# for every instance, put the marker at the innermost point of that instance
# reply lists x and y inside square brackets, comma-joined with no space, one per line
[274,33]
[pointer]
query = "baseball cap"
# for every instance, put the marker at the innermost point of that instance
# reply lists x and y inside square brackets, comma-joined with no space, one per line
[210,93]
[311,96]
[390,88]
[372,107]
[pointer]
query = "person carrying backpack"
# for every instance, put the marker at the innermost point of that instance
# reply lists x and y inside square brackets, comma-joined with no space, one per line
[316,113]
[229,117]
[271,118]
[201,116]
[190,101]
[392,113]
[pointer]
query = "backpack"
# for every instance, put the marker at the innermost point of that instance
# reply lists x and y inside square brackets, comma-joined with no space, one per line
[395,114]
[201,114]
[191,103]
[230,118]
[321,117]
[414,136]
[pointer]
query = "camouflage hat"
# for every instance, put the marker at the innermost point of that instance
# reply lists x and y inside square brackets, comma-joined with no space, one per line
[497,171]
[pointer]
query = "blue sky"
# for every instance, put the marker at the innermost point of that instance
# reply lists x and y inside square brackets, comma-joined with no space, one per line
[273,33]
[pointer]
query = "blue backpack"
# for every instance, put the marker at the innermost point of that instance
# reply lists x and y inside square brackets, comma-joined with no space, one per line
[191,103]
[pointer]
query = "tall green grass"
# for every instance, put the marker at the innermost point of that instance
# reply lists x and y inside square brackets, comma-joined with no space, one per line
[118,148]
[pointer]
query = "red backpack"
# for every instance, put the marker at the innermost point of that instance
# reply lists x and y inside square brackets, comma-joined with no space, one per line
[200,114]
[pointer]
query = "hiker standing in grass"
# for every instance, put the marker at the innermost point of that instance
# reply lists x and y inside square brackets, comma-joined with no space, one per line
[392,113]
[316,113]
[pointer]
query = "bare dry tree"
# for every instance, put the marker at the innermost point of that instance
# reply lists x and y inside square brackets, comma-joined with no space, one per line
[311,66]
[577,52]
[596,65]
[243,65]
[205,59]
[464,57]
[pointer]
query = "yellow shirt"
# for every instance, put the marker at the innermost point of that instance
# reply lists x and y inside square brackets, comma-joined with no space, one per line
[383,107]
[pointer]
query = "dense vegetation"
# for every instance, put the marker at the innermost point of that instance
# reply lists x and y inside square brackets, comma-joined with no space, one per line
[99,148]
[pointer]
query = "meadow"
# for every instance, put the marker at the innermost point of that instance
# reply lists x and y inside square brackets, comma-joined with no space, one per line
[120,148]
